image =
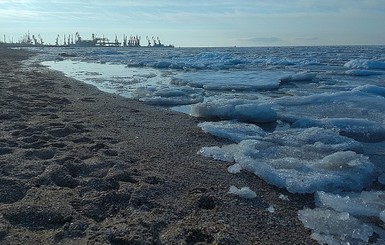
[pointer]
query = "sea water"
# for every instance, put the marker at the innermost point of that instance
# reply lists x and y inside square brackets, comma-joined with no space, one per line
[307,119]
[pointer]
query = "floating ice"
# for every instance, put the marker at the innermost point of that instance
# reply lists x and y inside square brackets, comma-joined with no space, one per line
[234,169]
[382,216]
[303,161]
[228,81]
[244,192]
[284,197]
[362,73]
[235,109]
[381,178]
[271,209]
[366,64]
[371,89]
[338,226]
[300,77]
[233,130]
[366,203]
[363,102]
[168,96]
[359,129]
[217,153]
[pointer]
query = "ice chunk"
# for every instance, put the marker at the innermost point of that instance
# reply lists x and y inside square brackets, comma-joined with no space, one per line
[362,103]
[244,192]
[335,224]
[284,197]
[324,140]
[271,209]
[168,96]
[234,169]
[381,178]
[366,64]
[239,80]
[233,130]
[366,203]
[362,73]
[382,216]
[300,77]
[304,161]
[235,109]
[216,153]
[371,89]
[359,129]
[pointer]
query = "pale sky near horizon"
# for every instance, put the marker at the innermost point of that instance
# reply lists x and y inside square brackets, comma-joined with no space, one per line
[201,22]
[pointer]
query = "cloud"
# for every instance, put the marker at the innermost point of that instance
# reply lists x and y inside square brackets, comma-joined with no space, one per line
[308,39]
[263,40]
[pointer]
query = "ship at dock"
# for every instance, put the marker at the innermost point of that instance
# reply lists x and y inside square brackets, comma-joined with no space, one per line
[77,41]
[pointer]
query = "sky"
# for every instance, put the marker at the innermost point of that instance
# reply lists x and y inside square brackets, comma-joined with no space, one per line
[200,23]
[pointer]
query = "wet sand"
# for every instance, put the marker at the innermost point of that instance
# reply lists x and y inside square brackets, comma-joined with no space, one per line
[79,166]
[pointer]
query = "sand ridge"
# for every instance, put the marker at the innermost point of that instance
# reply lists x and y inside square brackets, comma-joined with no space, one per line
[79,166]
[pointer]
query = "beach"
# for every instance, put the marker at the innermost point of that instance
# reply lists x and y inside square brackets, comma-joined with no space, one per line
[80,166]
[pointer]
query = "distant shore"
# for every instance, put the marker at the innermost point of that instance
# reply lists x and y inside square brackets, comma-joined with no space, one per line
[80,166]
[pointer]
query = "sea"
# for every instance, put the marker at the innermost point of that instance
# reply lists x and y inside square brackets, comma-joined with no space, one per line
[305,119]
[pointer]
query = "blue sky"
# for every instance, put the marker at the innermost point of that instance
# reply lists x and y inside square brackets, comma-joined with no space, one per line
[201,22]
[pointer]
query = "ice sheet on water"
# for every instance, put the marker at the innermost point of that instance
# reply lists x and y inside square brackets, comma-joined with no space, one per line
[224,154]
[304,161]
[366,64]
[381,178]
[233,130]
[300,77]
[371,89]
[366,203]
[342,226]
[364,102]
[359,129]
[362,73]
[239,80]
[244,192]
[242,110]
[339,218]
[168,96]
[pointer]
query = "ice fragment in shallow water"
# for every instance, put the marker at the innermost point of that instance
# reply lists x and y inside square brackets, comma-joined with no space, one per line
[234,169]
[233,130]
[300,77]
[244,192]
[366,203]
[367,64]
[242,110]
[216,153]
[271,209]
[359,129]
[381,178]
[332,223]
[284,197]
[382,216]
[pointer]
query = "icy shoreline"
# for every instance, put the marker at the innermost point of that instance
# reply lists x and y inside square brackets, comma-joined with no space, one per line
[327,118]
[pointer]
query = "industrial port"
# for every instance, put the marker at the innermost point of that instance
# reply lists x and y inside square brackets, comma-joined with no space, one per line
[76,40]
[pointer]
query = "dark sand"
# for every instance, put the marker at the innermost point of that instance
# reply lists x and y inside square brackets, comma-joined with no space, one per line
[79,166]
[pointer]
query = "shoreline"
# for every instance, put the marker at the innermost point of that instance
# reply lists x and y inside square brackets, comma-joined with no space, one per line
[80,166]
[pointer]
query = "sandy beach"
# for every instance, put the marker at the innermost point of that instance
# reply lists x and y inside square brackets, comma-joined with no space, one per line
[80,166]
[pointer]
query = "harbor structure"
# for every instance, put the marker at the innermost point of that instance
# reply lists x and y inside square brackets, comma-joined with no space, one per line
[76,40]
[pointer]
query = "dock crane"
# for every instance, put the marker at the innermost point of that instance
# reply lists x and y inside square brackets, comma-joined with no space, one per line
[34,39]
[149,41]
[57,40]
[41,39]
